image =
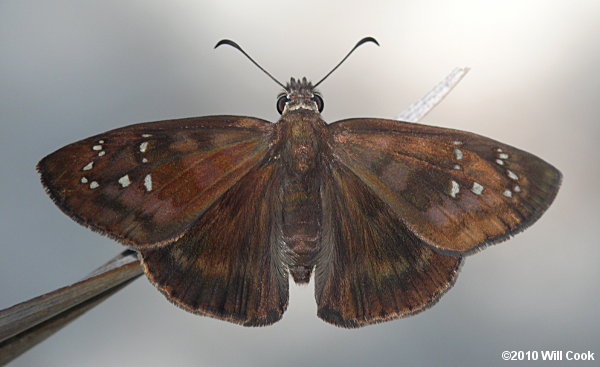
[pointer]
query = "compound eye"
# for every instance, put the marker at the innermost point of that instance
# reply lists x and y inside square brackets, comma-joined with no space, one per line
[319,101]
[281,101]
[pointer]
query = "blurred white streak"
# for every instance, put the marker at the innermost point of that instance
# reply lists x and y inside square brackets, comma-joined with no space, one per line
[419,109]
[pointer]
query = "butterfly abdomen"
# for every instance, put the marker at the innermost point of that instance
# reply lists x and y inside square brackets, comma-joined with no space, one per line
[301,225]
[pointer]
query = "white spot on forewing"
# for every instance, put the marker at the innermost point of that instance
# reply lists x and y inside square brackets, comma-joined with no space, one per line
[507,193]
[143,147]
[100,141]
[458,154]
[97,147]
[144,160]
[456,166]
[124,181]
[101,153]
[146,135]
[456,142]
[517,188]
[84,180]
[88,166]
[503,156]
[148,182]
[512,175]
[477,189]
[498,150]
[500,162]
[455,189]
[94,185]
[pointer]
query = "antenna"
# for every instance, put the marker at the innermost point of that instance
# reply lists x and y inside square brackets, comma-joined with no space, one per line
[364,40]
[235,45]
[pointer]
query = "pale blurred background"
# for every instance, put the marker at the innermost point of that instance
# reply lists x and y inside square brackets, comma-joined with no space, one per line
[69,70]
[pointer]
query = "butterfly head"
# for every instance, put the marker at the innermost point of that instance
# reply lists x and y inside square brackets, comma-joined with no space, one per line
[299,94]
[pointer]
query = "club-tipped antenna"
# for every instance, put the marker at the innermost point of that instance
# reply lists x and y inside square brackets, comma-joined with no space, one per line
[235,45]
[364,40]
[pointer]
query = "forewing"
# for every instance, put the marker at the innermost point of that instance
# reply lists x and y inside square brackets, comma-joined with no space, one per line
[455,190]
[229,264]
[372,268]
[145,184]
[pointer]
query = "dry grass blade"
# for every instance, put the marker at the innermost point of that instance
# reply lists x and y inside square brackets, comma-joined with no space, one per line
[24,325]
[419,109]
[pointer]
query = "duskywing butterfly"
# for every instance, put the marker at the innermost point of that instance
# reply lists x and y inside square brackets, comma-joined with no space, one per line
[222,208]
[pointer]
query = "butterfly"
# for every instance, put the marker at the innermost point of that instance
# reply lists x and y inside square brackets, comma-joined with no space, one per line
[223,209]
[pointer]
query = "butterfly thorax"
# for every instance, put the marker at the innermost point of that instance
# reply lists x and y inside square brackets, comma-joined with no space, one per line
[301,132]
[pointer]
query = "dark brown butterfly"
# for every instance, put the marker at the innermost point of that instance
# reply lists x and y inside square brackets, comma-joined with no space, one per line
[223,208]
